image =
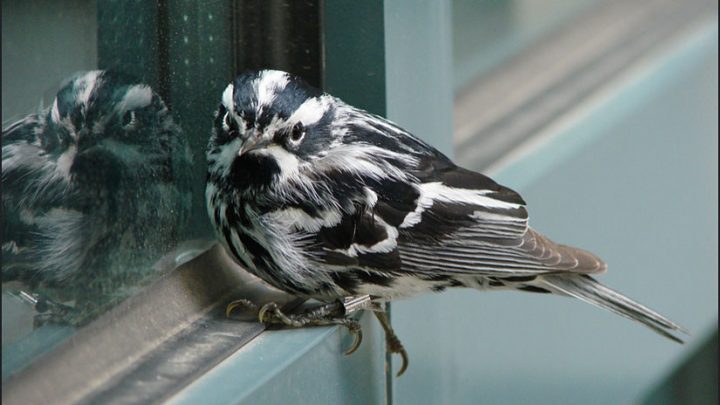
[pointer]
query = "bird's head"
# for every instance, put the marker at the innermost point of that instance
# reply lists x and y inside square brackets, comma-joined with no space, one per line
[269,123]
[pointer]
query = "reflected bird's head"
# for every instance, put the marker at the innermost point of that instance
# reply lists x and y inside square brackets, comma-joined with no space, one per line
[100,173]
[106,121]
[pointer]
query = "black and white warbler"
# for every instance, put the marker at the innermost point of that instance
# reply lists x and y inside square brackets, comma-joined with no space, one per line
[327,201]
[94,189]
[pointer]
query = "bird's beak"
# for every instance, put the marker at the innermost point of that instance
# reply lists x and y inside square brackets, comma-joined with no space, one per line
[253,142]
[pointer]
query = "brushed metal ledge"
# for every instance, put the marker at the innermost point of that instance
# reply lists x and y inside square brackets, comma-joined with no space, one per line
[152,344]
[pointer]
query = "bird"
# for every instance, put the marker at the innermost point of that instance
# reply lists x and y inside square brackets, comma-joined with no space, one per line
[329,202]
[95,189]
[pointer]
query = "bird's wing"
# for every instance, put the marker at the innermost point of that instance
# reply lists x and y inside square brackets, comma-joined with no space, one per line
[18,154]
[434,228]
[465,223]
[40,232]
[360,239]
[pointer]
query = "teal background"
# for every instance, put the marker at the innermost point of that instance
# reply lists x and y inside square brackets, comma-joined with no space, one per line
[488,33]
[631,176]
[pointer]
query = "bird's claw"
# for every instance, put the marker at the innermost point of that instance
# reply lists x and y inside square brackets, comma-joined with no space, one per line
[271,306]
[329,314]
[392,341]
[395,346]
[271,313]
[239,303]
[355,330]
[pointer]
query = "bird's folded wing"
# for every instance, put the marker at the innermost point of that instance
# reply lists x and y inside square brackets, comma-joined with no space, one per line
[530,255]
[465,223]
[359,240]
[452,221]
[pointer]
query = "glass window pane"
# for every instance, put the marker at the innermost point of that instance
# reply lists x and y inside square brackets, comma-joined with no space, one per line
[106,109]
[488,33]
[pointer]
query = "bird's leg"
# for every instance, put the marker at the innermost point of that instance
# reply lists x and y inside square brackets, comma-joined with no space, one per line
[333,313]
[271,312]
[393,342]
[48,311]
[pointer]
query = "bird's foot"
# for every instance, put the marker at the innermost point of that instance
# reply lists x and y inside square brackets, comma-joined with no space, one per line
[334,313]
[393,342]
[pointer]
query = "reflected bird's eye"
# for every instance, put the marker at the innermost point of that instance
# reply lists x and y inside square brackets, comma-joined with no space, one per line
[129,120]
[230,124]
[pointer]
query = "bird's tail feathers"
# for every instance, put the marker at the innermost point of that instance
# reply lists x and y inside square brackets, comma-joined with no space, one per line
[586,288]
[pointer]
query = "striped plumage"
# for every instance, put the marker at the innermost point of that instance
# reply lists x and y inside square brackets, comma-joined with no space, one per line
[95,189]
[324,200]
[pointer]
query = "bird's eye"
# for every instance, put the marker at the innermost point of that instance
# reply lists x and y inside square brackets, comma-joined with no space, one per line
[297,132]
[129,120]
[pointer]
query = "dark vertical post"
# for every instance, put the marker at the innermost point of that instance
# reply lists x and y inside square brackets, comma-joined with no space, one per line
[354,53]
[279,34]
[200,63]
[128,38]
[185,51]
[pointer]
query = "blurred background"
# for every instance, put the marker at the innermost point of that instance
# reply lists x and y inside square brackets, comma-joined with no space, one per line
[602,114]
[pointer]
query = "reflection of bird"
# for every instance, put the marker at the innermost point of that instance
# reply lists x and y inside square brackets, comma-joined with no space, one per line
[326,201]
[94,189]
